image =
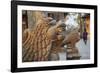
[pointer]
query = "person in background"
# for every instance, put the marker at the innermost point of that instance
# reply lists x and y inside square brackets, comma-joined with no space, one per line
[85,34]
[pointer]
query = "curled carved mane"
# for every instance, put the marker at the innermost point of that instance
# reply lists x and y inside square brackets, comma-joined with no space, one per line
[36,45]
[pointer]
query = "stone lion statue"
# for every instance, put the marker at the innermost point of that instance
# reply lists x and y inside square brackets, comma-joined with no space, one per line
[38,44]
[44,42]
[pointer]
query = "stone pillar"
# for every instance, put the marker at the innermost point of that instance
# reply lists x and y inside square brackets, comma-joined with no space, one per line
[31,19]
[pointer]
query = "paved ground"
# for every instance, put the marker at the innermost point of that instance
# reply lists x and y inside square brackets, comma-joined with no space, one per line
[84,50]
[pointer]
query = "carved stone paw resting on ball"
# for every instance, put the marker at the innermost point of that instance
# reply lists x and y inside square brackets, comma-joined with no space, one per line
[70,40]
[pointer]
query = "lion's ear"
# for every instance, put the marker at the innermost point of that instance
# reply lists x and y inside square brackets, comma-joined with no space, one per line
[53,22]
[47,19]
[61,24]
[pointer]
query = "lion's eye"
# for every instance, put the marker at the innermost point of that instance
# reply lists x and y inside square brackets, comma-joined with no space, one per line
[60,29]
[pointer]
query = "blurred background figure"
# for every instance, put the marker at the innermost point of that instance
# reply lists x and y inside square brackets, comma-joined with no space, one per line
[85,34]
